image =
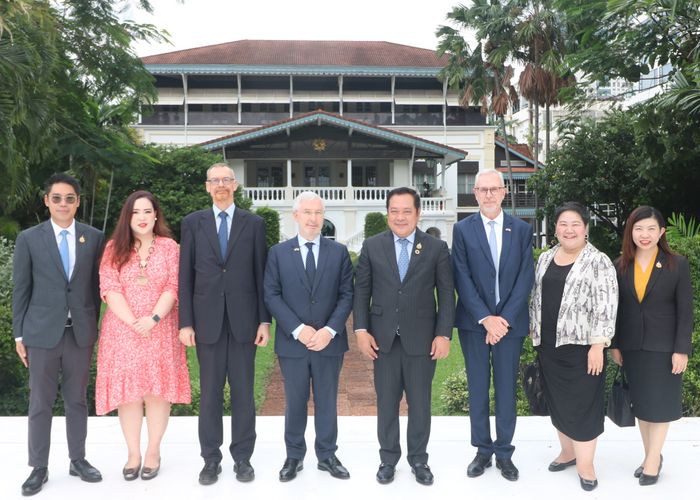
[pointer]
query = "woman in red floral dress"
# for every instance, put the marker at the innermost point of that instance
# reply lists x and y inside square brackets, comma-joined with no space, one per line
[141,363]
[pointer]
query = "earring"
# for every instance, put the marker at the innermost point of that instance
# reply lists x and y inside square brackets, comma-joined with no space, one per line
[586,236]
[155,218]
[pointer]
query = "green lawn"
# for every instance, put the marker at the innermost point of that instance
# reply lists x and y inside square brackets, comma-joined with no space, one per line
[445,367]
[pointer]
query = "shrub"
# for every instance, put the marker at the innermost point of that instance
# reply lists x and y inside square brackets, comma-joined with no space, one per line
[375,223]
[272,224]
[454,395]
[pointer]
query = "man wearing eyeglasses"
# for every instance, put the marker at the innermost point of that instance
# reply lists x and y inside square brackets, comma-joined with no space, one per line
[55,306]
[223,314]
[308,289]
[493,272]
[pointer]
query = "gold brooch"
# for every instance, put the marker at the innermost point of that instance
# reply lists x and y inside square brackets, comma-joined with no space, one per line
[81,239]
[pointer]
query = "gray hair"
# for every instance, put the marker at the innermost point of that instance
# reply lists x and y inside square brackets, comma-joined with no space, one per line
[306,196]
[488,172]
[220,165]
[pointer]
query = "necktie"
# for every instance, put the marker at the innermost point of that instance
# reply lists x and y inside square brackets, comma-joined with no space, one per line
[493,245]
[223,234]
[310,263]
[403,258]
[63,250]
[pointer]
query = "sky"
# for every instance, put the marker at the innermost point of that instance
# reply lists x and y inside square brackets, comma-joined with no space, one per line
[195,23]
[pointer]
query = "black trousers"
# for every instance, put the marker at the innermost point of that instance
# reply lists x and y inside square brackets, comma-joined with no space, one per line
[225,360]
[73,364]
[396,372]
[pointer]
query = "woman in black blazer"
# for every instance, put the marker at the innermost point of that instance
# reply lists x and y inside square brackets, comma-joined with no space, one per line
[654,328]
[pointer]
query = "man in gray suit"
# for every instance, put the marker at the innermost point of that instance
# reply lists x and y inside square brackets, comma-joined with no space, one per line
[399,328]
[55,306]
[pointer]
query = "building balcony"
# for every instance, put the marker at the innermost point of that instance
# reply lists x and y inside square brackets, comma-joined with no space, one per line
[364,197]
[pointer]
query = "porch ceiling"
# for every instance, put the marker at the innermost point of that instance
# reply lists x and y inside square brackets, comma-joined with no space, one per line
[390,137]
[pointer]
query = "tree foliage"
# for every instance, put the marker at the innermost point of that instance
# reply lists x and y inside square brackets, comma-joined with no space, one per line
[71,85]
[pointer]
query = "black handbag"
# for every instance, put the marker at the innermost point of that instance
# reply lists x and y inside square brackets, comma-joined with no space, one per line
[533,385]
[620,401]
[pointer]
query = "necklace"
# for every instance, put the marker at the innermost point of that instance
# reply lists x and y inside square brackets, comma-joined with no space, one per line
[142,279]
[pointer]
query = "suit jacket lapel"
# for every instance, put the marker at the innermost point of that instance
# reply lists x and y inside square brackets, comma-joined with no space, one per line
[238,222]
[79,248]
[656,271]
[52,248]
[297,262]
[388,244]
[414,253]
[480,232]
[209,230]
[322,261]
[506,241]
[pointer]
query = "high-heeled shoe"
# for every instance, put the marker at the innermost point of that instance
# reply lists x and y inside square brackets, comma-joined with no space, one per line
[131,473]
[148,473]
[648,479]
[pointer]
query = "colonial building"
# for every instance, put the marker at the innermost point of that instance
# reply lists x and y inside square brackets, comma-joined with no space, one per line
[349,120]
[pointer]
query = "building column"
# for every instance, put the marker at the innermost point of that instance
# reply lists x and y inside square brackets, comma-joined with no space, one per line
[349,194]
[289,192]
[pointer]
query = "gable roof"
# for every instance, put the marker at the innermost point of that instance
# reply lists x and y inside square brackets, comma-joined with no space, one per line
[451,154]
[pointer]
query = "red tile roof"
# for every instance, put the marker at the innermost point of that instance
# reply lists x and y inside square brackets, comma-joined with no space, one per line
[523,149]
[303,53]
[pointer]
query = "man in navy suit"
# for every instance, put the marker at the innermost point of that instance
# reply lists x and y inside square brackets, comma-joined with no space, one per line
[493,272]
[308,289]
[222,312]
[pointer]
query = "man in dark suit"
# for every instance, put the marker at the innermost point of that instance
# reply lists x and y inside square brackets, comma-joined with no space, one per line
[399,275]
[222,312]
[55,306]
[493,272]
[308,289]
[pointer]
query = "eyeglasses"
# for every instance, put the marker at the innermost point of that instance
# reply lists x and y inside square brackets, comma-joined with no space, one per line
[69,198]
[492,190]
[226,181]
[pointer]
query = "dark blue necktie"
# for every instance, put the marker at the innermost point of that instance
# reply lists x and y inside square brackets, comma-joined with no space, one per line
[223,234]
[310,263]
[403,258]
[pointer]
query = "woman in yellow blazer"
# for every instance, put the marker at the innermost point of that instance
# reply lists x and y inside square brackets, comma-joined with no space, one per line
[654,328]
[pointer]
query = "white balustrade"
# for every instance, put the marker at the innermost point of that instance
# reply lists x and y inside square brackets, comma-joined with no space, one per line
[326,193]
[371,194]
[263,195]
[433,205]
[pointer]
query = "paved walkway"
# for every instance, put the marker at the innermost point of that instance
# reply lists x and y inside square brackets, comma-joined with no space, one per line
[356,396]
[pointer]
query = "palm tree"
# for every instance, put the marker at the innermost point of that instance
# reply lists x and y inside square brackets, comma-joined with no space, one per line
[482,74]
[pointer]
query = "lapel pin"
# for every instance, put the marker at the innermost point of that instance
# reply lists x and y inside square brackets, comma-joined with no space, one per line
[296,249]
[508,229]
[419,246]
[658,264]
[417,252]
[81,239]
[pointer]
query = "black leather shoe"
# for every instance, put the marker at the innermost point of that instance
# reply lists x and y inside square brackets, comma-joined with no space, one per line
[333,465]
[560,466]
[422,473]
[84,470]
[290,468]
[640,470]
[148,473]
[210,473]
[244,471]
[385,474]
[478,465]
[648,479]
[588,484]
[35,481]
[131,473]
[507,468]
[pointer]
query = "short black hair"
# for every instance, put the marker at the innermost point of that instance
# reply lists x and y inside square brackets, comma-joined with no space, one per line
[60,177]
[404,190]
[572,206]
